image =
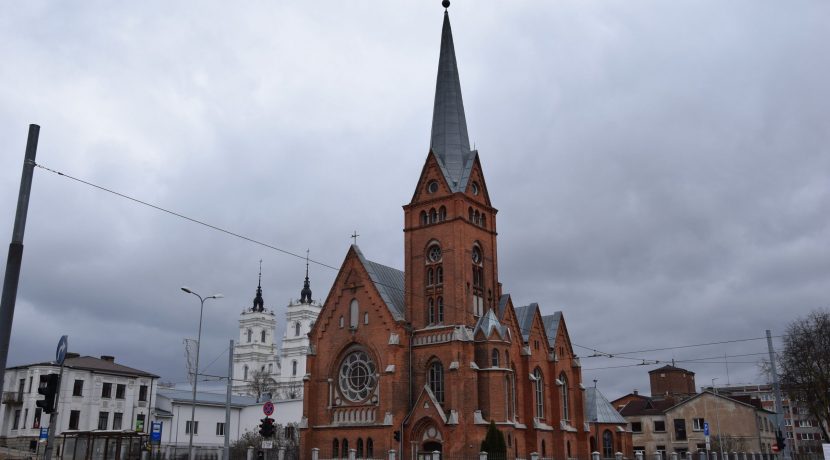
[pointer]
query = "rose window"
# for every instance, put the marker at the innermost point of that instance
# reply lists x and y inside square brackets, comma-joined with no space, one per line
[357,376]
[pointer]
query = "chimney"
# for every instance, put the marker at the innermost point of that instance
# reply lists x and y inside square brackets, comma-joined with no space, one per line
[636,392]
[108,358]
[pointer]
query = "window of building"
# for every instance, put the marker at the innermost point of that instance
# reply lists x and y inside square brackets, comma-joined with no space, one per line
[637,427]
[607,444]
[353,312]
[195,426]
[344,448]
[566,406]
[30,384]
[540,393]
[478,281]
[697,424]
[139,423]
[660,427]
[78,388]
[442,214]
[21,386]
[440,317]
[16,423]
[662,451]
[433,216]
[220,429]
[788,422]
[359,449]
[424,219]
[294,368]
[117,420]
[103,419]
[36,420]
[436,380]
[439,275]
[106,390]
[430,311]
[262,336]
[494,358]
[74,419]
[120,391]
[335,448]
[370,448]
[366,318]
[430,276]
[342,323]
[680,429]
[544,449]
[250,334]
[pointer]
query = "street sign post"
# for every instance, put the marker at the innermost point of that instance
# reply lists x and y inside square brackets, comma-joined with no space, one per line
[706,429]
[155,432]
[268,408]
[44,433]
[60,353]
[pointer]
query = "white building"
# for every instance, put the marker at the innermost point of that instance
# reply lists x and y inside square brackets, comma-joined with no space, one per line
[257,352]
[95,394]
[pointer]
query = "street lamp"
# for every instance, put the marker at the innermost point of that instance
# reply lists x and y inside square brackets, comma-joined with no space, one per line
[196,371]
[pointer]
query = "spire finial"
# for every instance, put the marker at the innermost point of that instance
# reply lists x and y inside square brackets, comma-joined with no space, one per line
[259,303]
[445,4]
[305,294]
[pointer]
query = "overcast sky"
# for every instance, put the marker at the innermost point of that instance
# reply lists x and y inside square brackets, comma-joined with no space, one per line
[661,169]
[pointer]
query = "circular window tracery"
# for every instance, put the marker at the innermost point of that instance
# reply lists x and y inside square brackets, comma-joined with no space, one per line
[357,376]
[434,253]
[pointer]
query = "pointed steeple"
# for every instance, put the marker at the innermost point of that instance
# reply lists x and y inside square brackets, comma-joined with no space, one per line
[450,142]
[259,303]
[305,294]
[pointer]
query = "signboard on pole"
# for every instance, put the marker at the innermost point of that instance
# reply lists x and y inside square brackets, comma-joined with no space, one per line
[155,432]
[267,444]
[60,353]
[44,433]
[706,429]
[268,408]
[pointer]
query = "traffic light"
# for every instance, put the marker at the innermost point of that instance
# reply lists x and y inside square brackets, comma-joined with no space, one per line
[266,427]
[780,440]
[49,388]
[262,425]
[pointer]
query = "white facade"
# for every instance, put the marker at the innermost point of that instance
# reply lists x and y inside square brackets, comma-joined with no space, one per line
[255,350]
[299,318]
[95,393]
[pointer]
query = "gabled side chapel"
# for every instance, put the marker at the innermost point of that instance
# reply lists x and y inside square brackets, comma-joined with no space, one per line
[422,360]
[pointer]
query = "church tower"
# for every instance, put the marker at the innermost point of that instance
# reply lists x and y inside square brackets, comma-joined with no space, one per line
[255,350]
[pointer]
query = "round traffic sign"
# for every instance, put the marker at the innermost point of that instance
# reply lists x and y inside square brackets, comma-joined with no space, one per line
[268,408]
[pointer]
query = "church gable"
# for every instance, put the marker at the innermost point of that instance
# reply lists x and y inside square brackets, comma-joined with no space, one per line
[476,186]
[431,173]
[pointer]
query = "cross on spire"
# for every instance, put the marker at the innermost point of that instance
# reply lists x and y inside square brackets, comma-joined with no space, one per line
[354,237]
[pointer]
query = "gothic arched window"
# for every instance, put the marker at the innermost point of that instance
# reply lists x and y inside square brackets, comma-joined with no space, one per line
[250,334]
[344,448]
[353,306]
[436,380]
[494,358]
[297,328]
[359,448]
[471,214]
[370,448]
[433,216]
[424,218]
[430,277]
[294,368]
[483,221]
[607,444]
[440,315]
[262,336]
[540,393]
[430,311]
[439,275]
[335,448]
[566,415]
[245,372]
[442,214]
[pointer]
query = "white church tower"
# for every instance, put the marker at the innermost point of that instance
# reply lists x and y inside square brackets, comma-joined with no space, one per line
[255,350]
[299,318]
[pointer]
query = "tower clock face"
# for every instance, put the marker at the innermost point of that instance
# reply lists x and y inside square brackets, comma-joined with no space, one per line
[434,254]
[476,255]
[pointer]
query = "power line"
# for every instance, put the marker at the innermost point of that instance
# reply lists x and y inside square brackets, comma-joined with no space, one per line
[619,355]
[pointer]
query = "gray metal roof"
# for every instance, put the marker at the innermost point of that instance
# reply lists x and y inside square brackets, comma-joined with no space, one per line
[487,323]
[450,141]
[598,409]
[551,323]
[525,317]
[185,396]
[503,305]
[389,282]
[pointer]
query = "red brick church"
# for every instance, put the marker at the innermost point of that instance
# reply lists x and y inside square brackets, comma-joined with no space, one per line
[422,360]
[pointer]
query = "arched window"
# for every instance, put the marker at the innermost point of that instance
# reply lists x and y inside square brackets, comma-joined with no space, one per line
[544,450]
[245,372]
[494,359]
[370,448]
[540,393]
[297,328]
[262,368]
[250,334]
[442,214]
[344,448]
[566,412]
[262,336]
[476,218]
[478,281]
[430,277]
[335,448]
[270,368]
[568,444]
[341,321]
[424,218]
[353,314]
[471,214]
[439,275]
[366,318]
[436,380]
[359,448]
[430,311]
[440,310]
[433,216]
[607,444]
[294,368]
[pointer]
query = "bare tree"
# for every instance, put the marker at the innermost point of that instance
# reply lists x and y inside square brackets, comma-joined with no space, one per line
[261,383]
[729,443]
[805,365]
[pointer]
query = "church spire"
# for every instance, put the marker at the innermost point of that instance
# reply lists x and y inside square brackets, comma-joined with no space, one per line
[305,294]
[259,303]
[450,142]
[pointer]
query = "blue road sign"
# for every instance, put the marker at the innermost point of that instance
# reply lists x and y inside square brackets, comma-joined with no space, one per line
[706,428]
[44,433]
[155,432]
[63,345]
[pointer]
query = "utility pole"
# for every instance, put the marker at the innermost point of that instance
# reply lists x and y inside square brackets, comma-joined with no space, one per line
[776,388]
[227,454]
[15,258]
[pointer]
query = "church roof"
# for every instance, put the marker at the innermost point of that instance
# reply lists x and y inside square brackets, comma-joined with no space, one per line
[551,323]
[525,317]
[487,323]
[389,282]
[598,409]
[449,139]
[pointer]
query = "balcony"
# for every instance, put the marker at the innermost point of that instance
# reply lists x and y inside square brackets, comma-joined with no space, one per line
[12,397]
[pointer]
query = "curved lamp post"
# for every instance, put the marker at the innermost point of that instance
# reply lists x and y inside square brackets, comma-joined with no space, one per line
[196,371]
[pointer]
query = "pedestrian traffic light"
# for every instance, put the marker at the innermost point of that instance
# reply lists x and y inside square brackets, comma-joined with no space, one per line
[780,440]
[49,388]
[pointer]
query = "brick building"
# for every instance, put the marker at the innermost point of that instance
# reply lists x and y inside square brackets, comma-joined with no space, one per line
[422,360]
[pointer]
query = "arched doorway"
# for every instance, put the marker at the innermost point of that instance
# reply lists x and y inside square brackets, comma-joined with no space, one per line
[427,439]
